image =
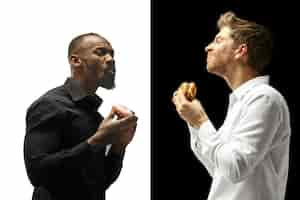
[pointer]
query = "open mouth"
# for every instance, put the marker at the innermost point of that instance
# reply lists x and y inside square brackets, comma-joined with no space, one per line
[208,57]
[112,71]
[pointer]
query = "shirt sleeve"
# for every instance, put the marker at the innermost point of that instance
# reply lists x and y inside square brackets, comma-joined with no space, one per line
[197,148]
[113,166]
[250,140]
[42,146]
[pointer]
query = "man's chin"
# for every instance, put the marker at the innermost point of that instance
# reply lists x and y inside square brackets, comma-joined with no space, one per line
[109,87]
[107,82]
[211,68]
[106,85]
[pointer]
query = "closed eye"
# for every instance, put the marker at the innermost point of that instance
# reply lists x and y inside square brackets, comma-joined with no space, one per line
[104,51]
[218,39]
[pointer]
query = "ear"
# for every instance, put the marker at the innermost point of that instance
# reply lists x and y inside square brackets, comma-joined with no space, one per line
[74,60]
[241,51]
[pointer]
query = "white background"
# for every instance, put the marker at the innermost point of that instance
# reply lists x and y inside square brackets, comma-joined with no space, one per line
[33,50]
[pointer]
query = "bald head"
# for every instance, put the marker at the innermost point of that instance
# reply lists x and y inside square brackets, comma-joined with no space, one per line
[78,42]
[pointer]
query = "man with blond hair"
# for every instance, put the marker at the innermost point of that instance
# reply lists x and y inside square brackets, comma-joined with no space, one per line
[248,156]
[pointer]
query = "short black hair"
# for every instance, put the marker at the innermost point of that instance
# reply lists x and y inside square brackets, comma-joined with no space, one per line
[77,40]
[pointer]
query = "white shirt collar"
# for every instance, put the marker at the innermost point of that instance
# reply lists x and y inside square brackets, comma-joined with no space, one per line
[240,91]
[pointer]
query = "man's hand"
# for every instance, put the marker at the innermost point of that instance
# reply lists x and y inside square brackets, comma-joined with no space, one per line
[120,143]
[111,129]
[190,111]
[125,137]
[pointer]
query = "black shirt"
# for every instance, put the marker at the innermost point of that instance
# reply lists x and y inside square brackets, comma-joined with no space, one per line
[59,162]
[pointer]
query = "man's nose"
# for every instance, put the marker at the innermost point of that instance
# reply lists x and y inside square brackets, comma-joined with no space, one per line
[108,58]
[208,47]
[111,63]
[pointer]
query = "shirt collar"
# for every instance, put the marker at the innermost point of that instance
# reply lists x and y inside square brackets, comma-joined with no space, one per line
[78,94]
[243,89]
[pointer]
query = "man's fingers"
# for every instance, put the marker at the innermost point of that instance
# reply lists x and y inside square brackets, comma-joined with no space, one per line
[177,98]
[133,129]
[129,130]
[180,97]
[128,121]
[111,113]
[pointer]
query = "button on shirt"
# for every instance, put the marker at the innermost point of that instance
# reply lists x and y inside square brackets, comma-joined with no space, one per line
[59,162]
[248,157]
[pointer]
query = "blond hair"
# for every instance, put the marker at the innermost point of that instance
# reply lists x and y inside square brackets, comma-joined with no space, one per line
[257,38]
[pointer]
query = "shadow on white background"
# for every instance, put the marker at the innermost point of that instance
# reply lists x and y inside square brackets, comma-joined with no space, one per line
[34,39]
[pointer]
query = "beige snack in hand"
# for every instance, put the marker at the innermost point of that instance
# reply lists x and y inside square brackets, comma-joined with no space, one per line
[189,90]
[122,111]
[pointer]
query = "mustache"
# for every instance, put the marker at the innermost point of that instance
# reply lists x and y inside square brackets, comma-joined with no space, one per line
[108,79]
[111,67]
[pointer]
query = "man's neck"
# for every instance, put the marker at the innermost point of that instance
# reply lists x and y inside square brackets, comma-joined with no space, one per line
[87,86]
[240,75]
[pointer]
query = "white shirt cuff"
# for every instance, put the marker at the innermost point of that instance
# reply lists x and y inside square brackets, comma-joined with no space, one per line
[206,130]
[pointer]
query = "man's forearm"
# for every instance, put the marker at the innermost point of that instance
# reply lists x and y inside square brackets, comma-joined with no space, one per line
[113,166]
[117,149]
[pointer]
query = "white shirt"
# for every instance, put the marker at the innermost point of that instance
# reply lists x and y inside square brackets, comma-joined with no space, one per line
[248,157]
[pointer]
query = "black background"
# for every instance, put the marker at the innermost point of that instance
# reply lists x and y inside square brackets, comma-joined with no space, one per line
[179,33]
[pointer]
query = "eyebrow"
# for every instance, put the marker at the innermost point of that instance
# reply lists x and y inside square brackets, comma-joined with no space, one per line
[218,37]
[104,48]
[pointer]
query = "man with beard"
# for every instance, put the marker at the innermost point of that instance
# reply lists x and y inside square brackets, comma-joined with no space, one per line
[66,144]
[248,156]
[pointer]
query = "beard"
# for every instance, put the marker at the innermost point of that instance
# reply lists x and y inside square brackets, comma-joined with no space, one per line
[108,79]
